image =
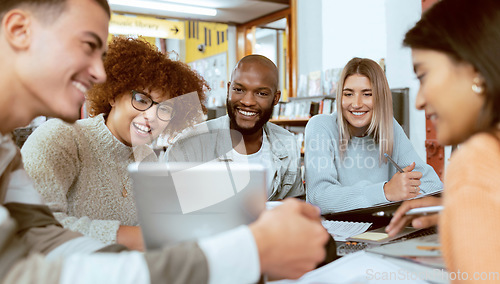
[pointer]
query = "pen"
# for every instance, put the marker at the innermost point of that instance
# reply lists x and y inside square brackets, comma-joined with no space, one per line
[394,163]
[414,211]
[424,210]
[383,214]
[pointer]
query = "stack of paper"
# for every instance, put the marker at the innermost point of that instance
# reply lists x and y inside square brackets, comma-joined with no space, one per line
[424,250]
[341,230]
[359,267]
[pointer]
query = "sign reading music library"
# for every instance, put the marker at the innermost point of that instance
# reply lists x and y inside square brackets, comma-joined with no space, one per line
[146,26]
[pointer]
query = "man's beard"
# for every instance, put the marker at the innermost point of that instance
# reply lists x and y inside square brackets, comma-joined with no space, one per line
[265,116]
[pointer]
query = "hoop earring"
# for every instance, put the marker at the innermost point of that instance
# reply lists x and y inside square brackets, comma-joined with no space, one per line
[476,86]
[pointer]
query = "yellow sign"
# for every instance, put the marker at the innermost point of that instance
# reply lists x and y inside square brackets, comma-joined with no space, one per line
[205,39]
[146,26]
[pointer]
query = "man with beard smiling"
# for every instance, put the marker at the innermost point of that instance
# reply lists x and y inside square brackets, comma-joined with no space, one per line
[245,134]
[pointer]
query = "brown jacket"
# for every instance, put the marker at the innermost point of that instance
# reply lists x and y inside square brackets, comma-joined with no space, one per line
[25,228]
[28,231]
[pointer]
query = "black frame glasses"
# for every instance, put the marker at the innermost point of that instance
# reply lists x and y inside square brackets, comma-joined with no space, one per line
[143,102]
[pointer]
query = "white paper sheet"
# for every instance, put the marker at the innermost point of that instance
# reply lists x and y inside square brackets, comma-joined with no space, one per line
[341,230]
[359,268]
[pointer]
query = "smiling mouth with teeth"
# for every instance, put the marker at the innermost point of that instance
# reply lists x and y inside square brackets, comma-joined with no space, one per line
[142,128]
[80,86]
[247,113]
[358,112]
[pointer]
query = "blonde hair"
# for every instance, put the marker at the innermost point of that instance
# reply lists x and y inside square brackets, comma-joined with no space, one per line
[381,126]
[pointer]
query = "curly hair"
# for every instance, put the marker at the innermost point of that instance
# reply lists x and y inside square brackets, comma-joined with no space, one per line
[134,64]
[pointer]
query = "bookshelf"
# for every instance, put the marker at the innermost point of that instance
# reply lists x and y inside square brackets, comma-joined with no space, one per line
[291,122]
[298,110]
[294,114]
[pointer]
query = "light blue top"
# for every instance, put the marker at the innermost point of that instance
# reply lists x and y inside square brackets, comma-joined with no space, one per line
[356,181]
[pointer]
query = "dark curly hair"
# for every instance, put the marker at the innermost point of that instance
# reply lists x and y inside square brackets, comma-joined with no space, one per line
[134,64]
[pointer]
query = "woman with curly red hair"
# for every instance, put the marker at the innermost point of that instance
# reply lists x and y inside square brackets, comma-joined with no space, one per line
[80,169]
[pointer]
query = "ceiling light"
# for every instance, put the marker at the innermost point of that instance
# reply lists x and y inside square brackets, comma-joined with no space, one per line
[160,6]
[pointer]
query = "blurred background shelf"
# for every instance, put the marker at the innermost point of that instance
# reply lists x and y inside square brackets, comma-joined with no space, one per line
[291,122]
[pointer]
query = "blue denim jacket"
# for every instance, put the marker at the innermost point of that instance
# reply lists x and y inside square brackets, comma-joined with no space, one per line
[211,140]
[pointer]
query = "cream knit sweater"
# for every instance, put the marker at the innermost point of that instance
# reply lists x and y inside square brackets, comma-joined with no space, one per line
[81,170]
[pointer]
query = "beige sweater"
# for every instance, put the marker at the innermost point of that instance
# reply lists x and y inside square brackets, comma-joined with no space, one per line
[470,224]
[81,171]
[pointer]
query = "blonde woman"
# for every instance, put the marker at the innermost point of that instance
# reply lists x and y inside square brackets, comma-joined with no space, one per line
[344,159]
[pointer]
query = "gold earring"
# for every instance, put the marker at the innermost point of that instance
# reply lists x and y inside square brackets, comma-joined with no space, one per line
[476,86]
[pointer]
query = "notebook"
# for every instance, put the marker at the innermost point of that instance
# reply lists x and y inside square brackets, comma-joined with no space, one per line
[185,201]
[379,236]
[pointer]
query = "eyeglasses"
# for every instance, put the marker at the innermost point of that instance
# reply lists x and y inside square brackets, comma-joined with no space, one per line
[142,102]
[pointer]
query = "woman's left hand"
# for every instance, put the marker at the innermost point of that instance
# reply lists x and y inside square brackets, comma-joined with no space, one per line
[403,185]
